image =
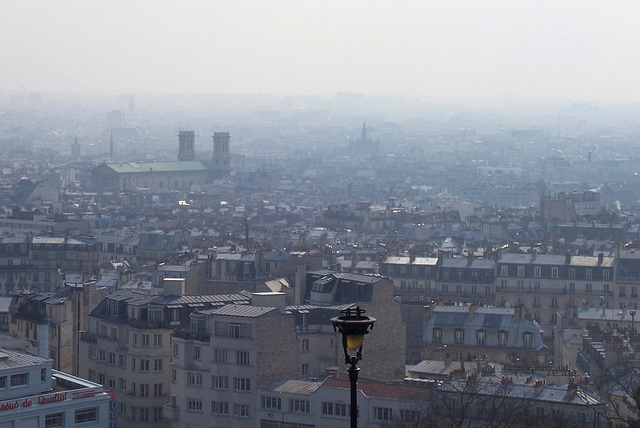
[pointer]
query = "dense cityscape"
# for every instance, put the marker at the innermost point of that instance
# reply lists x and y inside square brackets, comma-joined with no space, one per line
[186,275]
[276,214]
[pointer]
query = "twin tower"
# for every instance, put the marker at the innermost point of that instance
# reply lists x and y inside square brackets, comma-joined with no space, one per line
[221,160]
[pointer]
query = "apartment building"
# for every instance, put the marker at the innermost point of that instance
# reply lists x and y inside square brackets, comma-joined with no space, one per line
[229,353]
[310,404]
[32,395]
[52,321]
[127,347]
[547,283]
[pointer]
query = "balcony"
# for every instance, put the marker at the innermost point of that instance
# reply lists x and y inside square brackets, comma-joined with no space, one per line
[170,412]
[186,335]
[85,336]
[145,324]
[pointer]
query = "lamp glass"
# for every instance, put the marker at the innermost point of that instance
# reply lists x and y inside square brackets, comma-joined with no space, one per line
[354,341]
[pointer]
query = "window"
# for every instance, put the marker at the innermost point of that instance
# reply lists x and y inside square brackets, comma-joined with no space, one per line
[572,287]
[504,270]
[135,339]
[607,288]
[503,336]
[589,287]
[43,375]
[271,402]
[86,415]
[122,384]
[240,410]
[606,274]
[382,413]
[537,271]
[194,379]
[123,360]
[299,406]
[194,405]
[102,355]
[305,345]
[527,338]
[554,272]
[242,384]
[572,273]
[220,355]
[219,382]
[412,416]
[589,273]
[175,350]
[54,420]
[233,330]
[520,270]
[174,375]
[112,359]
[102,379]
[3,382]
[21,379]
[197,353]
[144,390]
[144,365]
[114,333]
[327,408]
[219,408]
[459,336]
[554,302]
[481,336]
[157,390]
[143,415]
[305,369]
[145,340]
[157,340]
[437,335]
[445,288]
[242,358]
[157,365]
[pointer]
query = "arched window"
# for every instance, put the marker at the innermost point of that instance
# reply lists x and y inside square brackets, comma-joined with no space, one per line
[527,339]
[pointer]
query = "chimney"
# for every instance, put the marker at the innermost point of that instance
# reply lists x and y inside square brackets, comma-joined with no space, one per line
[300,284]
[517,313]
[412,257]
[534,254]
[600,258]
[567,257]
[428,311]
[469,258]
[472,310]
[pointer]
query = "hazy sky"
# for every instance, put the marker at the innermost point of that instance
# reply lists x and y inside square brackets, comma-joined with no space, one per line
[434,50]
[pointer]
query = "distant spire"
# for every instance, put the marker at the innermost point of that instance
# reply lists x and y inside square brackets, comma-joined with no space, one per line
[111,144]
[364,132]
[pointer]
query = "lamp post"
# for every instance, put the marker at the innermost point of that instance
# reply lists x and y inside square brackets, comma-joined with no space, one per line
[633,319]
[353,327]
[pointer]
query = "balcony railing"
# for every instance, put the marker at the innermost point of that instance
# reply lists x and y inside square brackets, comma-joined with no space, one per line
[85,336]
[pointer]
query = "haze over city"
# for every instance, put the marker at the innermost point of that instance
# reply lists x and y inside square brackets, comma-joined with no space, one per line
[458,51]
[203,202]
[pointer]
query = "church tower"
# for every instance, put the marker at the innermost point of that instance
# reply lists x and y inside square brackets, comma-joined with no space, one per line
[221,156]
[186,140]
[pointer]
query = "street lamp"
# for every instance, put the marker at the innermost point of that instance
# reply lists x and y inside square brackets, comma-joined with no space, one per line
[632,312]
[353,328]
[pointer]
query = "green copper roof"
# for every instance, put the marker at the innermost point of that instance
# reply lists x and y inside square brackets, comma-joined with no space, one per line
[132,167]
